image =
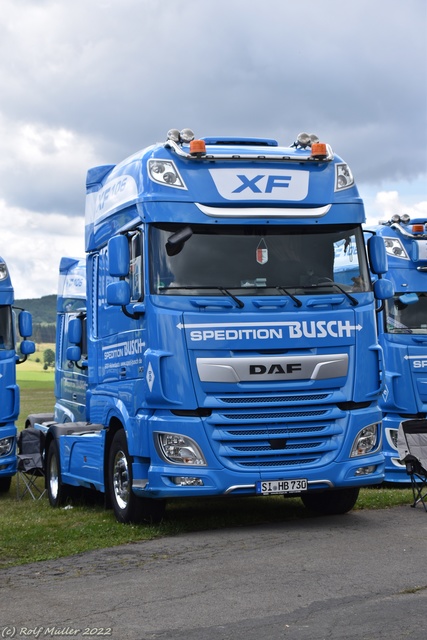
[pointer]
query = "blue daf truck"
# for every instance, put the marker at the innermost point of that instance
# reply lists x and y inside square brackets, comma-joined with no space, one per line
[10,356]
[402,329]
[217,349]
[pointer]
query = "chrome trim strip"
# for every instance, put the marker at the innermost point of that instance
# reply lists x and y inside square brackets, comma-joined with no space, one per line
[139,484]
[406,233]
[263,212]
[263,157]
[236,487]
[327,482]
[250,369]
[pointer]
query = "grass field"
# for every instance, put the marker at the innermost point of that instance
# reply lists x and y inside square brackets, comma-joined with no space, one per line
[33,531]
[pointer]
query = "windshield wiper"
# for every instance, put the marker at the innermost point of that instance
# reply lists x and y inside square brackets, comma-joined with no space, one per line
[298,302]
[353,301]
[223,290]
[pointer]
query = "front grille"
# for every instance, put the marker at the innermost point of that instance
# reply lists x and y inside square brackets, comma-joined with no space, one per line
[275,439]
[273,399]
[281,414]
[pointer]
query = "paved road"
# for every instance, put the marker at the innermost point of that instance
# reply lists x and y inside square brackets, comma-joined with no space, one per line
[358,576]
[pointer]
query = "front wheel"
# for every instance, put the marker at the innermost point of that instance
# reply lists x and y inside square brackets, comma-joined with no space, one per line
[334,502]
[127,506]
[56,491]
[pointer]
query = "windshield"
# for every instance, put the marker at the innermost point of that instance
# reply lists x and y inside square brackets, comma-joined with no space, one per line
[407,318]
[256,260]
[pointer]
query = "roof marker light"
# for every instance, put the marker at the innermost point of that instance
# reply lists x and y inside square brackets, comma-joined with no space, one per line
[319,150]
[197,148]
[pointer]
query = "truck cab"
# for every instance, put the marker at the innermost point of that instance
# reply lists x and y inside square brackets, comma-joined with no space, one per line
[221,347]
[403,333]
[11,323]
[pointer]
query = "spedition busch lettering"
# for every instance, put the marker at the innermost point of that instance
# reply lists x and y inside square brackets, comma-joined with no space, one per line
[294,329]
[124,349]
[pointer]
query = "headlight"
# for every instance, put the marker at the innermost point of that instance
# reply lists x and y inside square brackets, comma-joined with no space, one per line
[343,177]
[3,271]
[165,172]
[366,441]
[179,449]
[6,445]
[395,248]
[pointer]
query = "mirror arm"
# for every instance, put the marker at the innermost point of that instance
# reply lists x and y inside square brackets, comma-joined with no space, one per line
[133,316]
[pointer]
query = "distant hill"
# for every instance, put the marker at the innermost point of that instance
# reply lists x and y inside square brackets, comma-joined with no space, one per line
[43,311]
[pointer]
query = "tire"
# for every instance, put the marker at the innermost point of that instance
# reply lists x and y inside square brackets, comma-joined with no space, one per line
[127,507]
[334,502]
[57,492]
[5,484]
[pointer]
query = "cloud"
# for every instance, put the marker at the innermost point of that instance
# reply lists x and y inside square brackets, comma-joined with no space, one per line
[43,168]
[32,246]
[389,203]
[89,83]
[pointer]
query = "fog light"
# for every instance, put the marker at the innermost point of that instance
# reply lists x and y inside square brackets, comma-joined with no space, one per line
[364,471]
[187,481]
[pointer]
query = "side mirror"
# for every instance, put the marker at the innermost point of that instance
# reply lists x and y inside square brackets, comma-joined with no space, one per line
[383,289]
[25,324]
[75,331]
[377,255]
[118,293]
[177,241]
[409,298]
[74,353]
[118,257]
[27,347]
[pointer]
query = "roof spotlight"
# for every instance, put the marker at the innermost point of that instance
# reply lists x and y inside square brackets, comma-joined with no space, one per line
[303,139]
[313,138]
[405,218]
[395,218]
[186,135]
[173,134]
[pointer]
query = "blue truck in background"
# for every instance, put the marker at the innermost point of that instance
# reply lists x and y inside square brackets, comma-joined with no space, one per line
[210,344]
[10,356]
[402,327]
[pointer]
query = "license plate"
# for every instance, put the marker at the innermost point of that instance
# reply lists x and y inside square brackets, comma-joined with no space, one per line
[271,487]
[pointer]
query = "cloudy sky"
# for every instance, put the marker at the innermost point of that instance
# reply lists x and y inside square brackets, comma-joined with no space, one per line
[87,82]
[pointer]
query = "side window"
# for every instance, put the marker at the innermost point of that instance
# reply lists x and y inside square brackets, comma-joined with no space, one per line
[136,268]
[6,335]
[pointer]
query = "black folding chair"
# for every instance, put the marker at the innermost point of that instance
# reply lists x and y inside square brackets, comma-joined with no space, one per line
[30,464]
[412,447]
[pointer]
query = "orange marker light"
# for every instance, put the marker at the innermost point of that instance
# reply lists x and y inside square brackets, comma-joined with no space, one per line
[417,228]
[319,150]
[197,148]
